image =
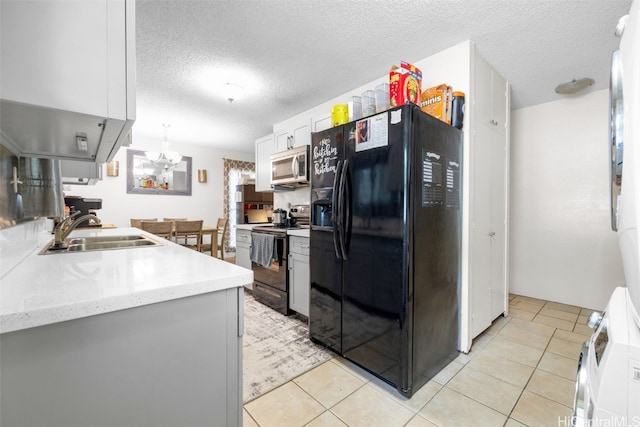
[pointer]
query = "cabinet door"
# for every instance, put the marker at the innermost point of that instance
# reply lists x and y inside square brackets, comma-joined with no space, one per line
[480,259]
[264,149]
[302,134]
[499,102]
[488,257]
[299,283]
[321,123]
[243,248]
[483,91]
[498,282]
[69,56]
[295,135]
[282,141]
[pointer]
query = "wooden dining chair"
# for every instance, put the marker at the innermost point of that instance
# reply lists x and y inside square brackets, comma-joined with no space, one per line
[159,228]
[222,230]
[174,219]
[219,247]
[135,222]
[185,230]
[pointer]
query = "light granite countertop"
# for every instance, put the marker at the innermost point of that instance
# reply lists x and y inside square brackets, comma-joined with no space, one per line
[45,289]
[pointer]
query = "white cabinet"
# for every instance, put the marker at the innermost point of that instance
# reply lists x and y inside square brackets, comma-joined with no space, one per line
[294,134]
[490,96]
[243,250]
[286,136]
[299,278]
[67,75]
[153,353]
[264,149]
[489,197]
[320,122]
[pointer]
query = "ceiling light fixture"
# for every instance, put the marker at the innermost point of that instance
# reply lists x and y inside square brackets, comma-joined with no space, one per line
[166,159]
[574,86]
[232,91]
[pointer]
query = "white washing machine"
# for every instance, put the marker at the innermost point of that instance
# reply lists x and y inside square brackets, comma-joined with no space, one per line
[608,385]
[608,382]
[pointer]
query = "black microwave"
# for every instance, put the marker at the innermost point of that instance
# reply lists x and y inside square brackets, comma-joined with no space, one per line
[290,168]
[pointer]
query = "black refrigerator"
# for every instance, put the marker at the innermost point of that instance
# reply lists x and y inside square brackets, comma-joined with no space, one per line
[386,242]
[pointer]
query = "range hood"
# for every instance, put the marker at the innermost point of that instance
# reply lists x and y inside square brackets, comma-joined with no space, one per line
[35,131]
[80,173]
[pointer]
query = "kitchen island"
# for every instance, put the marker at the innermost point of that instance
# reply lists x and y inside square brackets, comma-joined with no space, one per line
[148,336]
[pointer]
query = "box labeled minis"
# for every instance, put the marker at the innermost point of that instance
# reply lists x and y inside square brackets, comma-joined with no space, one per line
[405,84]
[436,101]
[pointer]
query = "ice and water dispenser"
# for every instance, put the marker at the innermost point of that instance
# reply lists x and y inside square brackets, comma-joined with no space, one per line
[321,207]
[326,155]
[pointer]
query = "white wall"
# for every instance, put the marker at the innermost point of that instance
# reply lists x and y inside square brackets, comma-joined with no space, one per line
[206,200]
[562,245]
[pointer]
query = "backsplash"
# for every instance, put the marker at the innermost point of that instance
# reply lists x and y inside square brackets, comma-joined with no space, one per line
[286,199]
[37,193]
[21,240]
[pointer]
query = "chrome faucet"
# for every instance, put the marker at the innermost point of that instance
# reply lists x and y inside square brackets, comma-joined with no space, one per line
[68,224]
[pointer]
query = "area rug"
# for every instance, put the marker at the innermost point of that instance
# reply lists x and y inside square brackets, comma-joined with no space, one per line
[276,349]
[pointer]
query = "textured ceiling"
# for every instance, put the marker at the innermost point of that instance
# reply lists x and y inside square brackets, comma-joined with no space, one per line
[292,55]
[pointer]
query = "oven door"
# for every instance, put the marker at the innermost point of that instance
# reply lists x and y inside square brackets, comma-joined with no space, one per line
[270,284]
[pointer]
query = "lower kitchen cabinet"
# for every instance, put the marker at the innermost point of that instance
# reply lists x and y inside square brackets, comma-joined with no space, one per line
[243,250]
[168,364]
[299,279]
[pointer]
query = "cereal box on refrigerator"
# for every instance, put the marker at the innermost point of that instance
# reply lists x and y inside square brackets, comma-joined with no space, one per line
[405,84]
[436,101]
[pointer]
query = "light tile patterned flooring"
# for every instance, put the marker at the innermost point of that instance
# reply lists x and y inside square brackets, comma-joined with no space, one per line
[520,372]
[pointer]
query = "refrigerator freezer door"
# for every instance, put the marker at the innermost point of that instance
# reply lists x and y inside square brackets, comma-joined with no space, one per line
[325,299]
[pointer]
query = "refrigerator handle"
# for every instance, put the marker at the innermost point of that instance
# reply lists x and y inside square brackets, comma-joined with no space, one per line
[335,206]
[346,220]
[344,206]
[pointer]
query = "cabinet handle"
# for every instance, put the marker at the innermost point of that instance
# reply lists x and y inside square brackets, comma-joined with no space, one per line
[491,234]
[304,246]
[290,266]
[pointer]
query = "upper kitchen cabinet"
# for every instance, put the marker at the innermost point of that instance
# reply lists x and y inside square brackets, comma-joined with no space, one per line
[490,94]
[292,133]
[67,78]
[264,149]
[321,122]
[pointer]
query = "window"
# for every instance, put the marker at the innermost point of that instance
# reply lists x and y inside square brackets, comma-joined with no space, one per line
[233,175]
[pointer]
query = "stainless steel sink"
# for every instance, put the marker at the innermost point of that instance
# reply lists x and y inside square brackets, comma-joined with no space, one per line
[103,239]
[100,243]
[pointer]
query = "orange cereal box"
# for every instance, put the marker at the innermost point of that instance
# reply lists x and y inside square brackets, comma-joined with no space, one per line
[405,84]
[436,101]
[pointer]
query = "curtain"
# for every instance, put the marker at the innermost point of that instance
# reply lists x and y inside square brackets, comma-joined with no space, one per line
[233,170]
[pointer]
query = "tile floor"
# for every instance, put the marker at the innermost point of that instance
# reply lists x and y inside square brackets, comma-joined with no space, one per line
[520,372]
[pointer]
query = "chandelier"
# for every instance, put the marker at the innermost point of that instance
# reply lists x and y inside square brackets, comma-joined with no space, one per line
[166,159]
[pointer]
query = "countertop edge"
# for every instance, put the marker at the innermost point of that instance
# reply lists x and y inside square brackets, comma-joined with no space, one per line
[13,317]
[29,319]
